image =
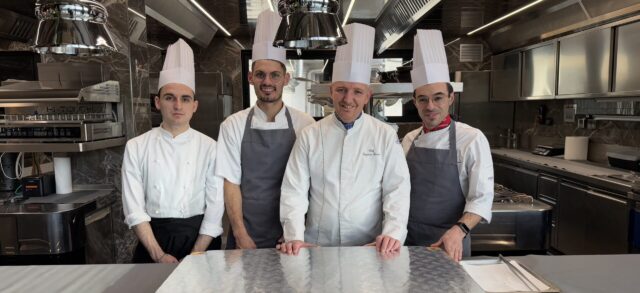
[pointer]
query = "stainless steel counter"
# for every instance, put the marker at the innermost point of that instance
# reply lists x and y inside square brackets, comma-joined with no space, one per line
[326,269]
[241,270]
[594,174]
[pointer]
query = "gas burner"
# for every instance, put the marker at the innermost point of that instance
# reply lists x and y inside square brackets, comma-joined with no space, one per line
[505,195]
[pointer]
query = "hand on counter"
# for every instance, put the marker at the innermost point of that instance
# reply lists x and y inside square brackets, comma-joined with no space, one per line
[293,247]
[385,244]
[451,242]
[167,258]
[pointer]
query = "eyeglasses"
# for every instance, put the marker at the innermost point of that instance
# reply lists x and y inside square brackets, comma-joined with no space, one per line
[274,76]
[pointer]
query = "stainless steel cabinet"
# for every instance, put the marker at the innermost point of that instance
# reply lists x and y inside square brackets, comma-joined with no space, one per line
[548,193]
[591,221]
[627,70]
[584,64]
[539,72]
[516,178]
[505,76]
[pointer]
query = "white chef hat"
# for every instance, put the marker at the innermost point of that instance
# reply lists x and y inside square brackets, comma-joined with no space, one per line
[266,29]
[178,66]
[429,59]
[353,60]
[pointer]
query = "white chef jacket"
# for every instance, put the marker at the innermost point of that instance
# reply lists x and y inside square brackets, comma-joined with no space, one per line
[232,131]
[352,185]
[167,177]
[475,166]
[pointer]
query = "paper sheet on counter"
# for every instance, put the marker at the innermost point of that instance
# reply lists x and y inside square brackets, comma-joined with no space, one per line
[494,276]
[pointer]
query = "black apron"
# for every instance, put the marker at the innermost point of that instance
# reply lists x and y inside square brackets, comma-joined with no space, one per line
[176,237]
[264,155]
[437,200]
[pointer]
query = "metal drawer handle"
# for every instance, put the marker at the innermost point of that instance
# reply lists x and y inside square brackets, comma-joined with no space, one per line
[606,197]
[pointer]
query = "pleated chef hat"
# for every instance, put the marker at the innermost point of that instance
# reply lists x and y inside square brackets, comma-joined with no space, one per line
[353,60]
[429,59]
[178,66]
[266,29]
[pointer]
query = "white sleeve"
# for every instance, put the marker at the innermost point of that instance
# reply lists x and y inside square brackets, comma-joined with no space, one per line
[214,200]
[294,198]
[396,189]
[133,196]
[228,153]
[479,165]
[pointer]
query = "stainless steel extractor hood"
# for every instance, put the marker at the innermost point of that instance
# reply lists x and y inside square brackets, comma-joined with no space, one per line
[183,17]
[72,28]
[309,24]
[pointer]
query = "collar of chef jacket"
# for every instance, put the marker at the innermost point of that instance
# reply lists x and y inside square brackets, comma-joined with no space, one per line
[348,126]
[182,137]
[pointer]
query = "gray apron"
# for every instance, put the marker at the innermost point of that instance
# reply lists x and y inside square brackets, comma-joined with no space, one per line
[437,200]
[264,155]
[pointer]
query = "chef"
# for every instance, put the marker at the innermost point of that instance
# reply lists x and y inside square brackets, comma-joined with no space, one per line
[170,194]
[254,145]
[347,175]
[450,162]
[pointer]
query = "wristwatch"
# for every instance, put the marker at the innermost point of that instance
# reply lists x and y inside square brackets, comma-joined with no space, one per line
[464,228]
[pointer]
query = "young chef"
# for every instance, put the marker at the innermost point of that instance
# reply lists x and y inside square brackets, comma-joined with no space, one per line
[450,162]
[254,146]
[170,194]
[347,181]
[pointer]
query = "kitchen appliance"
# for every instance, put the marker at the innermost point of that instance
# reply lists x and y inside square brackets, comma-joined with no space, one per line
[73,27]
[625,160]
[548,150]
[39,185]
[72,105]
[309,24]
[519,224]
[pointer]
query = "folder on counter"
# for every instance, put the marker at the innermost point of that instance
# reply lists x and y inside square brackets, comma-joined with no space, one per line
[501,275]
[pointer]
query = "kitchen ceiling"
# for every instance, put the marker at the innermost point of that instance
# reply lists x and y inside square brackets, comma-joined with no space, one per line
[454,17]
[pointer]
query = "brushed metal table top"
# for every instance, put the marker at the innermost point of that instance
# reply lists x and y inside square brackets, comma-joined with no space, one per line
[321,269]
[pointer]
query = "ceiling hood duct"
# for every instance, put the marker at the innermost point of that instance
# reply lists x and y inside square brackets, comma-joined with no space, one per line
[183,18]
[309,24]
[14,26]
[73,28]
[397,18]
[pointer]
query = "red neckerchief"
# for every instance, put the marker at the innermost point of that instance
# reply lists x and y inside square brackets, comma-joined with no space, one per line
[442,125]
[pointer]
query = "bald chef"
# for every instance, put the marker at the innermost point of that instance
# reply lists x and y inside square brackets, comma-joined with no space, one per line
[347,181]
[171,196]
[450,162]
[254,146]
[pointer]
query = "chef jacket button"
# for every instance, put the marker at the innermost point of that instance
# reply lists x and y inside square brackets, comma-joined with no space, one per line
[188,162]
[156,186]
[157,211]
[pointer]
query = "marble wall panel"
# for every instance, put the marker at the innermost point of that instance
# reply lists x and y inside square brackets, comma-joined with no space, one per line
[608,135]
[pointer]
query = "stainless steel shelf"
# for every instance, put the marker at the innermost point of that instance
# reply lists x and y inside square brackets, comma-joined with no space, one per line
[52,147]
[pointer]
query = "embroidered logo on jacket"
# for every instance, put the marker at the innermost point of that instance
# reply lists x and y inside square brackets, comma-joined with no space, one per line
[370,152]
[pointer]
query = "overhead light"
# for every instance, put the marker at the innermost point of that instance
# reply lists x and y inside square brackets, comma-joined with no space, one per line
[346,17]
[156,46]
[449,43]
[73,28]
[204,11]
[309,24]
[523,8]
[137,13]
[239,44]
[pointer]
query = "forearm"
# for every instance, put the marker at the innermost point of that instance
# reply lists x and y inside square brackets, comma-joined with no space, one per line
[145,236]
[233,203]
[202,243]
[470,219]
